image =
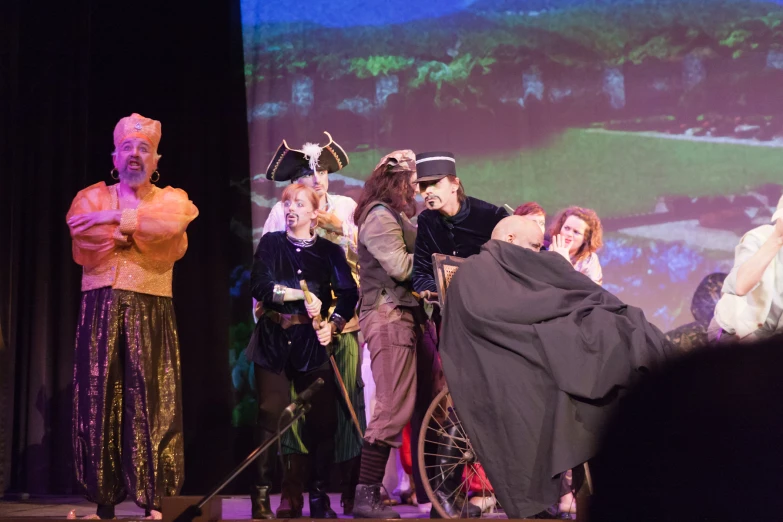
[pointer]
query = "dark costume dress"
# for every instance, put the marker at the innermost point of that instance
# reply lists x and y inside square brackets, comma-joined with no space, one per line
[536,356]
[293,354]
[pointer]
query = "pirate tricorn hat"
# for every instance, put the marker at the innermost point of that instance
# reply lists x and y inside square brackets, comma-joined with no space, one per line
[290,164]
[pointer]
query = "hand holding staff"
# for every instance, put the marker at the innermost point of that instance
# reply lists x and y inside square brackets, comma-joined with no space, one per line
[319,321]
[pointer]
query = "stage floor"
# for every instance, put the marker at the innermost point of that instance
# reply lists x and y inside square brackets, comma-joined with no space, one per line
[234,508]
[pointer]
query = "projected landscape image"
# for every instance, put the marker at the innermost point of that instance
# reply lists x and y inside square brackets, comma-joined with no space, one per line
[663,116]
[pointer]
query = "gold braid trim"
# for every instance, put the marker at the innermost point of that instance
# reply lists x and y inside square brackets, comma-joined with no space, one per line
[336,157]
[277,164]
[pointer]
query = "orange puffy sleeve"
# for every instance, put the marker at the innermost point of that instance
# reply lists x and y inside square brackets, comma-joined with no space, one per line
[96,243]
[159,228]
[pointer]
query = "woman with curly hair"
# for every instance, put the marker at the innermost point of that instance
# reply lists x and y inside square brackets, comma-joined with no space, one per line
[577,234]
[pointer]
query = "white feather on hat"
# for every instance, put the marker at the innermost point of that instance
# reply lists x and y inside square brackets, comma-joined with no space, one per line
[312,153]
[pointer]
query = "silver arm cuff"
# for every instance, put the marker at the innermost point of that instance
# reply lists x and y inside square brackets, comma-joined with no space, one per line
[278,294]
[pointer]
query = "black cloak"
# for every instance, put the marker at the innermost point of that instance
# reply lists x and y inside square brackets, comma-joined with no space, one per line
[536,356]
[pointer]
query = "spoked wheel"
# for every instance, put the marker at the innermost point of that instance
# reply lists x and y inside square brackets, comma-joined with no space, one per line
[448,465]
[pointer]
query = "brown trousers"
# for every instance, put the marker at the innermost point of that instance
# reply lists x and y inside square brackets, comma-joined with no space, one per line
[402,344]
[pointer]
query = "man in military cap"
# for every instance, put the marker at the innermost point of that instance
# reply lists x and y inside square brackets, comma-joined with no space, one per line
[457,225]
[452,223]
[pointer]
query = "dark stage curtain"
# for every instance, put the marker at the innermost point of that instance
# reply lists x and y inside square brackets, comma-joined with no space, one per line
[68,72]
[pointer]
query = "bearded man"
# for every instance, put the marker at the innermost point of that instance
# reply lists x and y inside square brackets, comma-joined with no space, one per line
[127,404]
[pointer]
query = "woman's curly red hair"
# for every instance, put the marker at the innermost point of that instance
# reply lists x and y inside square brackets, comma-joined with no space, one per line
[594,234]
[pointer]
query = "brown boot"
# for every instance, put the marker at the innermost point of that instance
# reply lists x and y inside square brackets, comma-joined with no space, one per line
[295,473]
[290,508]
[349,478]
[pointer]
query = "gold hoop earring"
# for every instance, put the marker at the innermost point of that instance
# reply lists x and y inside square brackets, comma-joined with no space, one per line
[156,179]
[113,176]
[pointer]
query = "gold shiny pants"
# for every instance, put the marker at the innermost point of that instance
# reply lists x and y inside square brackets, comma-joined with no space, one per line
[127,402]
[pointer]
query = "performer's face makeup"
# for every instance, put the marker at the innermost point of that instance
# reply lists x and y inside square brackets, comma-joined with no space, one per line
[538,219]
[439,193]
[135,160]
[573,231]
[299,212]
[319,182]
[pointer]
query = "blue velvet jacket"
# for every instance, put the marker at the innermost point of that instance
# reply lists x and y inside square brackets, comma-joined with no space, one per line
[461,235]
[323,266]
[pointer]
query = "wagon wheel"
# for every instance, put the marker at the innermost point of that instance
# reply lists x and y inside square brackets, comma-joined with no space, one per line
[447,462]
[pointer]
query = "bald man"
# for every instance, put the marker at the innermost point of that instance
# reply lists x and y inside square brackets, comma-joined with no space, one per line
[536,356]
[519,231]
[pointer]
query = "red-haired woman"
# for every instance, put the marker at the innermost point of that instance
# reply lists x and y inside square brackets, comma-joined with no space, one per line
[534,212]
[577,234]
[286,348]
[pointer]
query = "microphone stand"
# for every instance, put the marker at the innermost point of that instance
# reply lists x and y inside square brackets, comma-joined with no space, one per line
[195,510]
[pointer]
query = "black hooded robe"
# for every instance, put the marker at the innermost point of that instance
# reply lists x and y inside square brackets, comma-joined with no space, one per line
[536,356]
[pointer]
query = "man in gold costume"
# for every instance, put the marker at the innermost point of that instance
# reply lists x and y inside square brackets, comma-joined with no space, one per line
[127,404]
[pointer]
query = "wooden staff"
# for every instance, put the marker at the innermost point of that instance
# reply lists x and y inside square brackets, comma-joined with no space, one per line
[319,319]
